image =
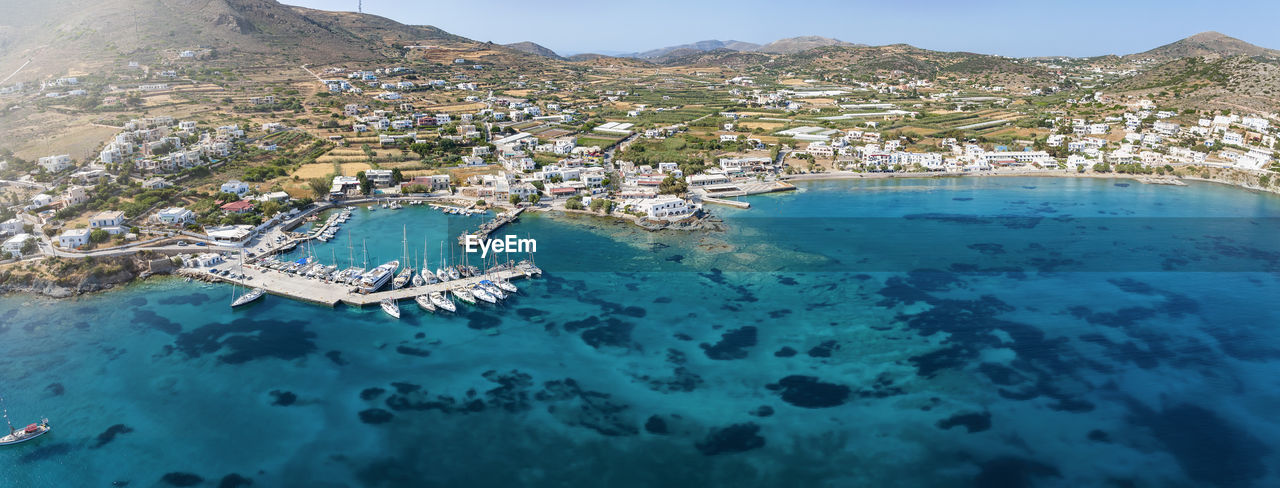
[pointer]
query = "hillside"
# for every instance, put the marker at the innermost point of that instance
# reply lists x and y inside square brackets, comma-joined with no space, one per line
[85,34]
[800,44]
[534,48]
[1203,44]
[693,48]
[1235,83]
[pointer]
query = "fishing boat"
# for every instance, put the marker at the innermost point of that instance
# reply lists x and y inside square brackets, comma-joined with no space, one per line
[17,436]
[482,294]
[425,302]
[442,301]
[464,295]
[373,280]
[391,307]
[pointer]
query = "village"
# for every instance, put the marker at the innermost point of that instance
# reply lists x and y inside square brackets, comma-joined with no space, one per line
[654,149]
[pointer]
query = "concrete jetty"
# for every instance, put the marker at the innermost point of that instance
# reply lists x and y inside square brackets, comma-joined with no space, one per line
[492,226]
[331,294]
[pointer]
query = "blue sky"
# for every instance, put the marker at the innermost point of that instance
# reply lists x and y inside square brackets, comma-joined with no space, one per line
[1011,28]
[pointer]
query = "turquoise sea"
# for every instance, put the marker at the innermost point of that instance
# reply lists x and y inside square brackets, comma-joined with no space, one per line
[943,332]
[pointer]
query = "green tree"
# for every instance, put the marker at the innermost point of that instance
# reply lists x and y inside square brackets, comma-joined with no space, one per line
[365,186]
[535,198]
[514,199]
[319,187]
[98,235]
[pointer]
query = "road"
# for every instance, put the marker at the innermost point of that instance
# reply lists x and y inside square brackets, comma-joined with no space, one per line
[15,72]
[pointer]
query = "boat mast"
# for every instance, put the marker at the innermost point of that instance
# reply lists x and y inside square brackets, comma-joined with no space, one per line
[6,414]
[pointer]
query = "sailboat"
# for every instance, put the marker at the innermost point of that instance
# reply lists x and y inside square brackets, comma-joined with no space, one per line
[426,273]
[442,301]
[482,294]
[425,302]
[441,274]
[246,298]
[391,307]
[464,295]
[25,434]
[406,274]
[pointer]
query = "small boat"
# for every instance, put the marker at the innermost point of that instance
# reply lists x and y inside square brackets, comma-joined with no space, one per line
[442,301]
[482,294]
[425,302]
[402,279]
[391,307]
[17,436]
[507,286]
[493,289]
[428,276]
[418,280]
[464,295]
[442,274]
[247,298]
[454,274]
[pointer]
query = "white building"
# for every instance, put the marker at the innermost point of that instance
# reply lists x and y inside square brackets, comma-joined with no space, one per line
[175,216]
[13,245]
[110,221]
[73,238]
[666,208]
[237,187]
[54,164]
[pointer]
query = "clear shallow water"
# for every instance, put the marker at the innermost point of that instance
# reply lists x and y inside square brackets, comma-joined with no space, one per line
[769,355]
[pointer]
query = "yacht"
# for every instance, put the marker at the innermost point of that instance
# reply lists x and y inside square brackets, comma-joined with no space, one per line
[428,276]
[375,279]
[493,289]
[425,302]
[418,280]
[32,431]
[391,307]
[506,286]
[249,297]
[453,273]
[442,301]
[402,279]
[464,295]
[482,294]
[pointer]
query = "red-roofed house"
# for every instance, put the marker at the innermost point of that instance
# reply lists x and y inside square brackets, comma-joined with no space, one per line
[238,206]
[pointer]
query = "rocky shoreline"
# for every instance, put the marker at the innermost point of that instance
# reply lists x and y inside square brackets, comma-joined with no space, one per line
[106,274]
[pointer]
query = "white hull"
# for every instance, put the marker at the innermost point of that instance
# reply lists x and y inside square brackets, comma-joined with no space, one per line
[441,301]
[391,308]
[248,297]
[425,302]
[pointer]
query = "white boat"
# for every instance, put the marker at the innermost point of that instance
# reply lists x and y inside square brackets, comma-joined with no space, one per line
[493,289]
[402,279]
[18,436]
[428,276]
[482,294]
[373,280]
[464,295]
[442,301]
[391,307]
[418,280]
[425,302]
[247,298]
[453,273]
[506,286]
[442,274]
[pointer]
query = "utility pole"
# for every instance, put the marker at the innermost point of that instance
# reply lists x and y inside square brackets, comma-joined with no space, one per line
[360,6]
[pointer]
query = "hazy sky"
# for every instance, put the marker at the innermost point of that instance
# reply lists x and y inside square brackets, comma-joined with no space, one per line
[1011,28]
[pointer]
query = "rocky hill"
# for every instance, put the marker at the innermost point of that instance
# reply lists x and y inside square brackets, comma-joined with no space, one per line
[1203,44]
[534,48]
[794,45]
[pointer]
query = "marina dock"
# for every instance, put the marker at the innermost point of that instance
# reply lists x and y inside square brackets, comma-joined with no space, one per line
[331,294]
[492,226]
